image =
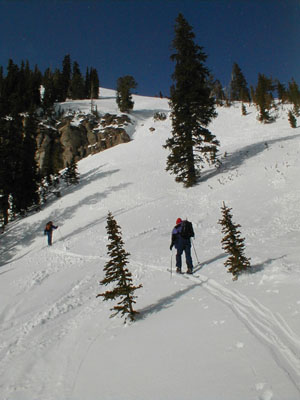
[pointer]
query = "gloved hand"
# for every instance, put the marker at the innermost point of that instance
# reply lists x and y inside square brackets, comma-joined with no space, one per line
[171,247]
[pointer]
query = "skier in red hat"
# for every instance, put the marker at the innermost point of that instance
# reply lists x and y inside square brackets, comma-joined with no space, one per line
[181,240]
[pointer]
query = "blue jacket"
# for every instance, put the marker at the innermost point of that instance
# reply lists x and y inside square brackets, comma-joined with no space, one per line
[177,240]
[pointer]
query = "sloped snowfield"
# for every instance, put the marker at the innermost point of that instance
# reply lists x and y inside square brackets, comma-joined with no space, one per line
[200,337]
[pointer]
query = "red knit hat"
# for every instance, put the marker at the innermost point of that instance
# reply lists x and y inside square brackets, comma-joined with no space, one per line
[178,221]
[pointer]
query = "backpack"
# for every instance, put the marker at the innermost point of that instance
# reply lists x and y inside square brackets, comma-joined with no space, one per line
[187,230]
[48,226]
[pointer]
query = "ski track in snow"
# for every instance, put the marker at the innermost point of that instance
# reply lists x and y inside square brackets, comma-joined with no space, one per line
[28,336]
[270,328]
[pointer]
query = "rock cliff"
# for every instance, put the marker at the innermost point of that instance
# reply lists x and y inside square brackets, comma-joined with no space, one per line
[78,135]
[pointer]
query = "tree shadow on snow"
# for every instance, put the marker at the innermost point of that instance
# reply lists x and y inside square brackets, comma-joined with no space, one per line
[22,233]
[237,158]
[261,266]
[165,302]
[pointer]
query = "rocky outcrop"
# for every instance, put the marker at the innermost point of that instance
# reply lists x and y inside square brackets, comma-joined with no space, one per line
[79,135]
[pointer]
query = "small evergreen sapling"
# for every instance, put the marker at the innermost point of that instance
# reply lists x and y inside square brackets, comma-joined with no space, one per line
[244,110]
[292,119]
[233,244]
[116,272]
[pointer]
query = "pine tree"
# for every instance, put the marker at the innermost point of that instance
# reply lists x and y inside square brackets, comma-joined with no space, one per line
[124,96]
[281,92]
[116,272]
[263,98]
[94,83]
[193,108]
[59,86]
[77,87]
[217,91]
[244,110]
[233,244]
[66,76]
[294,96]
[87,83]
[238,85]
[49,95]
[91,84]
[292,119]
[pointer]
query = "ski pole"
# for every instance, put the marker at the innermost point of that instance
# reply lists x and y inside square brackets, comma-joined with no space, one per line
[195,253]
[171,264]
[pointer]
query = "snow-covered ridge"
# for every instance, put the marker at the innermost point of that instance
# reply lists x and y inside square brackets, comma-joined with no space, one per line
[203,337]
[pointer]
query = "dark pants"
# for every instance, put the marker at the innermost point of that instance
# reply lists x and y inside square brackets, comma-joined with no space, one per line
[49,234]
[184,246]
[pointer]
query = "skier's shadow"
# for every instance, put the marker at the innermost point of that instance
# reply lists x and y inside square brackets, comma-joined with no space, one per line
[165,302]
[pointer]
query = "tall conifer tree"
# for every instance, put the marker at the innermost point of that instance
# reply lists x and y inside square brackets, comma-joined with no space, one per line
[87,83]
[77,87]
[116,272]
[281,91]
[193,108]
[294,96]
[124,96]
[94,83]
[263,98]
[66,76]
[238,86]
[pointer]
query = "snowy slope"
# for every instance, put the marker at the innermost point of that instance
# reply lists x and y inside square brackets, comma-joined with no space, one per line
[202,337]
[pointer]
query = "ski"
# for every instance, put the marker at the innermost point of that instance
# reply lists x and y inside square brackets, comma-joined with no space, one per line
[183,274]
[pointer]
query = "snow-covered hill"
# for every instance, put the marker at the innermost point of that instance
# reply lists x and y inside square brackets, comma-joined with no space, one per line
[201,337]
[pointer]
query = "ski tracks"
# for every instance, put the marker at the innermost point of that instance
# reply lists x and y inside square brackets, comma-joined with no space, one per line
[36,331]
[268,327]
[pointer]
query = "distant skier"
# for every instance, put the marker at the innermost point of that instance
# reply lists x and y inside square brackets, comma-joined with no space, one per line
[48,231]
[181,239]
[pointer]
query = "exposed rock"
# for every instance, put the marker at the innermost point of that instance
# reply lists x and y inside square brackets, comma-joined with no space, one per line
[80,135]
[160,116]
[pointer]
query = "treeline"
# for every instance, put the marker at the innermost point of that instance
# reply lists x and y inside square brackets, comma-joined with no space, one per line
[24,95]
[69,83]
[20,87]
[19,175]
[263,95]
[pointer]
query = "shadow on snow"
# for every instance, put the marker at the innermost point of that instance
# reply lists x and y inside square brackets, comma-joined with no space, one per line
[165,302]
[237,158]
[25,234]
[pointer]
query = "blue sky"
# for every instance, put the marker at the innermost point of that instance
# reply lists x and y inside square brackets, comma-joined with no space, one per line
[133,37]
